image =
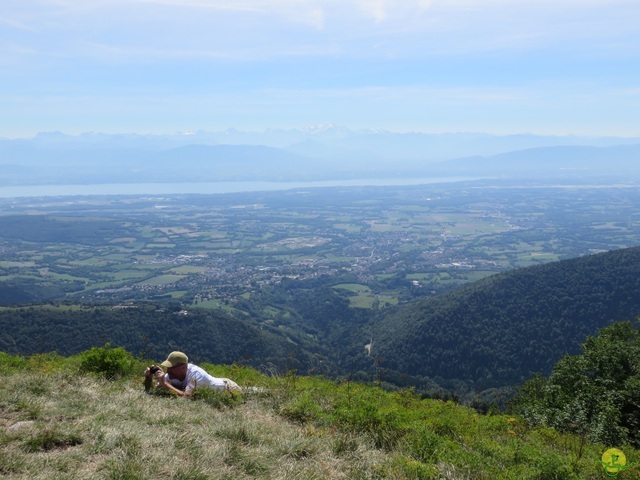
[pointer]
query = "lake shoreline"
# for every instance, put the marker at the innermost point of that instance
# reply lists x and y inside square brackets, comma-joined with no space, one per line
[207,188]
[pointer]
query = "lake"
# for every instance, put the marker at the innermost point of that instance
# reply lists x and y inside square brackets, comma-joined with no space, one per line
[206,187]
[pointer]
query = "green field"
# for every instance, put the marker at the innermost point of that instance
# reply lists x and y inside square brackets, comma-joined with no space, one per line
[187,269]
[365,298]
[385,239]
[123,275]
[162,280]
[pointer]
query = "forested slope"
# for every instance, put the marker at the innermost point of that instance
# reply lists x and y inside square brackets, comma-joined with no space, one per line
[502,329]
[149,331]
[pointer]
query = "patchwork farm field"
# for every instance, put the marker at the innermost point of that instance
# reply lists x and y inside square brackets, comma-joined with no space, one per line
[376,246]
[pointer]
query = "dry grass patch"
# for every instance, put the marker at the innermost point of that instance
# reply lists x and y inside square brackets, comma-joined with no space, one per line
[83,427]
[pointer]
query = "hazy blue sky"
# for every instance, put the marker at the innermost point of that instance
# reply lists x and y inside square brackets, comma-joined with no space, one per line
[497,66]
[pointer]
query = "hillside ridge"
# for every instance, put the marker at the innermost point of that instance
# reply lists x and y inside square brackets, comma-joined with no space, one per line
[502,329]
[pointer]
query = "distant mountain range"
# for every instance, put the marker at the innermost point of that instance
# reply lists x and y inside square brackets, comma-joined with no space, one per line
[560,161]
[321,153]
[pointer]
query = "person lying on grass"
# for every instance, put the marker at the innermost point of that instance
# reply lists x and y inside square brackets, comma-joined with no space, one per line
[182,377]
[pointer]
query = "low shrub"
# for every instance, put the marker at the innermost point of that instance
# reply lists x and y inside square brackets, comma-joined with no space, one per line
[10,363]
[108,362]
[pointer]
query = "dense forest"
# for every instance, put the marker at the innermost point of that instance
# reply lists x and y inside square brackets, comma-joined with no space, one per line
[149,331]
[46,229]
[502,329]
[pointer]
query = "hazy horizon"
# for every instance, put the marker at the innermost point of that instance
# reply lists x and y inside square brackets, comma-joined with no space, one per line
[307,130]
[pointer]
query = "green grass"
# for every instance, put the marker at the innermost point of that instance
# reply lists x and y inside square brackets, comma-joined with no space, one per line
[177,293]
[186,269]
[361,301]
[350,228]
[354,287]
[45,272]
[335,259]
[90,262]
[57,423]
[218,303]
[131,274]
[384,276]
[162,280]
[213,303]
[388,299]
[364,298]
[420,276]
[7,264]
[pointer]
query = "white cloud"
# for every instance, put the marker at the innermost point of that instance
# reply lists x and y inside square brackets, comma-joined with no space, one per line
[254,60]
[404,28]
[376,9]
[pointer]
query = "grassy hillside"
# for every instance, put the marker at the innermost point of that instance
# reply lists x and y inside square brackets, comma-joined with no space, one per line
[60,423]
[502,329]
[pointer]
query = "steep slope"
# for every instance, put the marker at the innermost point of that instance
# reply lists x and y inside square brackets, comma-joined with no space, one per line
[58,423]
[502,329]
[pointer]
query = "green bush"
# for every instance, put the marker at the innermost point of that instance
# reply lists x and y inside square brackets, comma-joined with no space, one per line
[48,363]
[10,363]
[594,394]
[554,467]
[108,362]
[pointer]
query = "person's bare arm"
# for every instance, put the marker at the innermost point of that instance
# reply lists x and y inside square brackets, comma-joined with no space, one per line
[162,383]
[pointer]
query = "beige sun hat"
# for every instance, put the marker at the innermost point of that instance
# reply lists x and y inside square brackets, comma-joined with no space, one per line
[175,358]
